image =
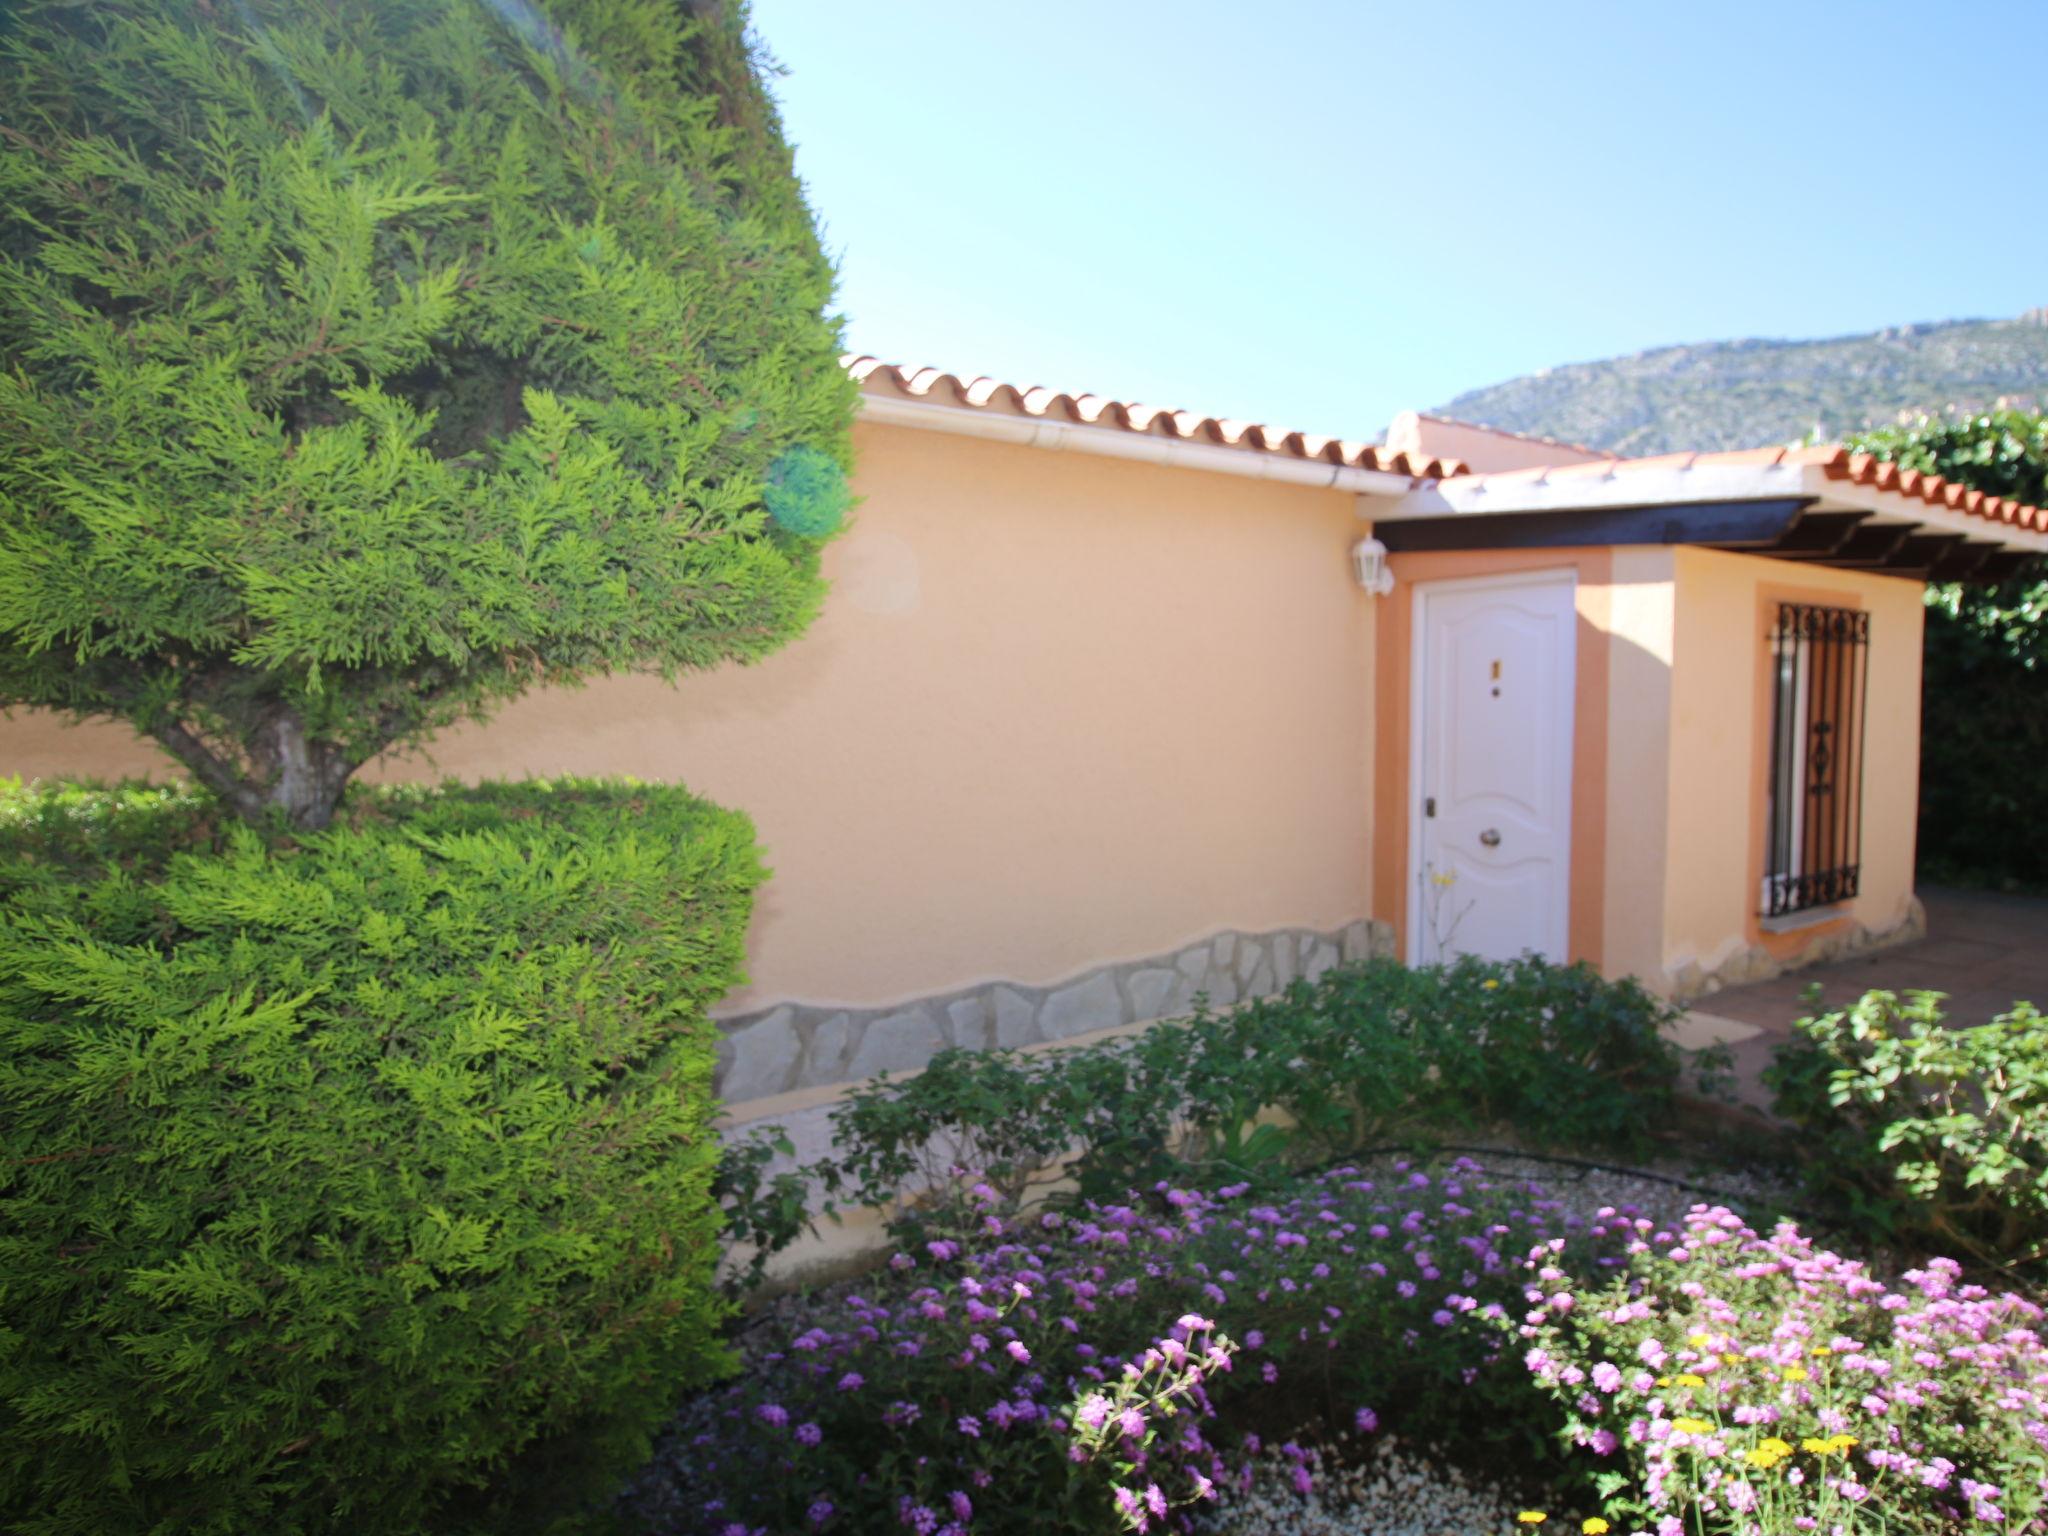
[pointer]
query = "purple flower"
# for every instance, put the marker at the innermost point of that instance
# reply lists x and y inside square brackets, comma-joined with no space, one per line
[969,1426]
[963,1507]
[809,1434]
[774,1415]
[819,1512]
[1155,1500]
[852,1381]
[1365,1421]
[1017,1352]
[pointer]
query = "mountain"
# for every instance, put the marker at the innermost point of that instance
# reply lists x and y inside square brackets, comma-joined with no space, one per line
[1746,394]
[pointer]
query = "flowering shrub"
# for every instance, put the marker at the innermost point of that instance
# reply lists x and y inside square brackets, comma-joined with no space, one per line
[1363,1055]
[1732,1384]
[1936,1134]
[1007,1372]
[1118,1423]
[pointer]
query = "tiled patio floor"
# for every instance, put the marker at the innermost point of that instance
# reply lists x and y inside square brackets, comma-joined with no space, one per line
[1984,951]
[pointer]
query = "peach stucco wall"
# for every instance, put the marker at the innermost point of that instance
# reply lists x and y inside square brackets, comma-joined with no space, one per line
[1642,601]
[1720,727]
[1060,710]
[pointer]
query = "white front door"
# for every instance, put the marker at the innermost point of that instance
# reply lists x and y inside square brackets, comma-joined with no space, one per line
[1492,767]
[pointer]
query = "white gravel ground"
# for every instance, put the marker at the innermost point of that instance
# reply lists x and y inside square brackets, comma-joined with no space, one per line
[1392,1492]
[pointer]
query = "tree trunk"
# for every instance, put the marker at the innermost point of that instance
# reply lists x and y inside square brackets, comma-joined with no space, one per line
[290,772]
[306,776]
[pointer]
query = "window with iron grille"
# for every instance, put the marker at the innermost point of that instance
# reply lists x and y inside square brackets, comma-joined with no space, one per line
[1819,686]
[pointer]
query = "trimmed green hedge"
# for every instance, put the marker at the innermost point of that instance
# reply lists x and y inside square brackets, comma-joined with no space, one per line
[358,1184]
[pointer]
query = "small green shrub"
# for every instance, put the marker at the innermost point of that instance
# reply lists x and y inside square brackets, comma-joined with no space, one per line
[1935,1136]
[1365,1055]
[763,1208]
[359,1184]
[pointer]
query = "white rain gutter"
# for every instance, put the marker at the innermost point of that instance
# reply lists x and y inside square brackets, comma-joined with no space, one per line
[1114,443]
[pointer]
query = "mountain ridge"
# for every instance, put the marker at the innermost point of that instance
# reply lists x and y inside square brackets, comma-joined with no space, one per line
[1753,391]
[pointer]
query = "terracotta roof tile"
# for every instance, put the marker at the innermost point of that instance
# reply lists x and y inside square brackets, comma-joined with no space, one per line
[1827,455]
[929,384]
[1834,461]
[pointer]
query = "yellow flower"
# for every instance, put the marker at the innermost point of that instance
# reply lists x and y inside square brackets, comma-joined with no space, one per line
[1768,1454]
[1795,1373]
[1531,1517]
[1594,1527]
[1692,1426]
[1663,1381]
[1834,1445]
[1731,1359]
[1690,1380]
[1814,1447]
[1819,1350]
[1696,1340]
[1489,985]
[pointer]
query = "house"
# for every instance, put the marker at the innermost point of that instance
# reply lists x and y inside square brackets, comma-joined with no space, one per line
[1112,706]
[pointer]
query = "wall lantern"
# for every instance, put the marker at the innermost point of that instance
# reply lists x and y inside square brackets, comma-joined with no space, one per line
[1369,565]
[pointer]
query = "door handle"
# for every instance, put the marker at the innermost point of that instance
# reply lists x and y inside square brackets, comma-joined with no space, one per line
[1490,838]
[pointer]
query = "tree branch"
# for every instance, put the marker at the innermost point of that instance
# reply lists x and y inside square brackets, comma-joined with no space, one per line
[209,769]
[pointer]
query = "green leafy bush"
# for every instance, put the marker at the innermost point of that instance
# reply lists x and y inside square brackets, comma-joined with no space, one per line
[366,363]
[1364,1055]
[360,1183]
[1986,659]
[1935,1135]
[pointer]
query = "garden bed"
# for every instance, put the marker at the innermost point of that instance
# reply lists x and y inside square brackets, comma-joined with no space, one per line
[1389,1345]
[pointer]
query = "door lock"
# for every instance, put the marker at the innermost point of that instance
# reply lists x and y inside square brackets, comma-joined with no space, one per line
[1490,838]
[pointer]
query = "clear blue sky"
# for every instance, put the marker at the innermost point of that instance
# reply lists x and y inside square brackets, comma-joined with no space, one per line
[1317,215]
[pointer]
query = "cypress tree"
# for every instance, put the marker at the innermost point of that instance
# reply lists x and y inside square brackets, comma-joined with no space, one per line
[367,362]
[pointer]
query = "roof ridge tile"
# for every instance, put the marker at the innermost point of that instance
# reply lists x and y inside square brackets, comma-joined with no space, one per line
[1110,414]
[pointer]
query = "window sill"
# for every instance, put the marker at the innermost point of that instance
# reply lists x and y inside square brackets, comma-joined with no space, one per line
[1812,917]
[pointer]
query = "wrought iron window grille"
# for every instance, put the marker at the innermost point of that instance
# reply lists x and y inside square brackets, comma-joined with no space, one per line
[1820,681]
